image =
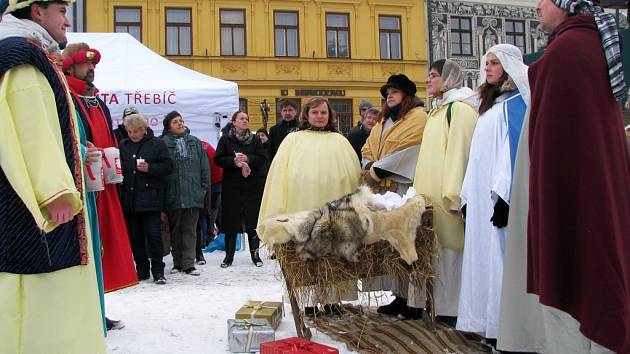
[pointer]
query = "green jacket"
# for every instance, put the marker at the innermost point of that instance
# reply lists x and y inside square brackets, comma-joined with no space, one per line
[186,186]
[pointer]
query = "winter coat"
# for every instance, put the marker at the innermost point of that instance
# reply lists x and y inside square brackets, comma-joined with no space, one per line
[357,137]
[121,133]
[144,191]
[187,184]
[278,132]
[216,172]
[240,196]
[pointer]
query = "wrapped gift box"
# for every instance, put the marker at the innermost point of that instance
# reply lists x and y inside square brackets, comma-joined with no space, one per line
[296,345]
[245,336]
[270,311]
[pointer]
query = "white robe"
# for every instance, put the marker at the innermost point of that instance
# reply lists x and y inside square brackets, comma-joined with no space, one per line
[488,176]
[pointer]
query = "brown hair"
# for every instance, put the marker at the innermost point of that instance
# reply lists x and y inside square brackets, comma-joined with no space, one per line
[75,47]
[314,102]
[407,104]
[489,92]
[236,114]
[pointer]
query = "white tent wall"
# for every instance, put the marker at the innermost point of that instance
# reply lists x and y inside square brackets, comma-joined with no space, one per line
[130,74]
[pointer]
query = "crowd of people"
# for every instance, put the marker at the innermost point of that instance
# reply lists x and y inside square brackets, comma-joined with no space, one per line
[529,175]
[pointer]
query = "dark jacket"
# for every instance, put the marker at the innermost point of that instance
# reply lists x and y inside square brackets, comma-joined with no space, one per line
[186,186]
[278,132]
[240,196]
[144,191]
[357,137]
[121,133]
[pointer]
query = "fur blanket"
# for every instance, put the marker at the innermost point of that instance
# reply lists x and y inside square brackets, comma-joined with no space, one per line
[341,227]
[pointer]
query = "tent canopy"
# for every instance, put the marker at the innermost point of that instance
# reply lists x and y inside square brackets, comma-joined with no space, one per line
[130,74]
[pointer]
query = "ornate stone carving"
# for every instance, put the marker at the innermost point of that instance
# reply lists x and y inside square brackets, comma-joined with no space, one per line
[340,69]
[487,28]
[471,64]
[233,68]
[459,8]
[286,68]
[489,34]
[391,70]
[439,38]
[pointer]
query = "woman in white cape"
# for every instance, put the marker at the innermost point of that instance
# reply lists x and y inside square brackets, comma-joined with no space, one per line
[485,196]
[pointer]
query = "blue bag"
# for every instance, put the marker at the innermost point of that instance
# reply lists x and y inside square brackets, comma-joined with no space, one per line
[218,244]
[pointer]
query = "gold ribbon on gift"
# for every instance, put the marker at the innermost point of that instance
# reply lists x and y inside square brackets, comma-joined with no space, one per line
[256,307]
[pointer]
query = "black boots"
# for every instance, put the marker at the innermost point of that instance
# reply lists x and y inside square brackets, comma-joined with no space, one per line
[399,307]
[226,262]
[230,248]
[256,259]
[394,308]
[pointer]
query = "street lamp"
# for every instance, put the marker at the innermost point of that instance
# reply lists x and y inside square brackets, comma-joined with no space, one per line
[264,109]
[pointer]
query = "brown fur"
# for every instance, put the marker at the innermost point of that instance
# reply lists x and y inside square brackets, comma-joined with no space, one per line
[75,47]
[343,226]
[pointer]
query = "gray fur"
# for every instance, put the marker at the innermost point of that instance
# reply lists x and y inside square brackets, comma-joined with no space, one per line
[334,229]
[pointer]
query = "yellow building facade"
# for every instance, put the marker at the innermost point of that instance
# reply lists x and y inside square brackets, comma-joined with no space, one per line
[281,49]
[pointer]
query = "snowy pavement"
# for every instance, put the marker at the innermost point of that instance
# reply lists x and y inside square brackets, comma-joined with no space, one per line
[189,314]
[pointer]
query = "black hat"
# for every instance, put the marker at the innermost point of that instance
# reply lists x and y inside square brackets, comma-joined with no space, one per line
[401,82]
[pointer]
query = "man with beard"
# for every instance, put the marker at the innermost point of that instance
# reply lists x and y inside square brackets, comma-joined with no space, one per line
[359,134]
[48,289]
[278,132]
[118,268]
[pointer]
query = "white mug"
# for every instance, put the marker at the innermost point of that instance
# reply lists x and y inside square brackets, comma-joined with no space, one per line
[94,179]
[112,168]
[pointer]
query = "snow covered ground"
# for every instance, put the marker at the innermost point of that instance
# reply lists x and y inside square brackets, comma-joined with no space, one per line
[189,314]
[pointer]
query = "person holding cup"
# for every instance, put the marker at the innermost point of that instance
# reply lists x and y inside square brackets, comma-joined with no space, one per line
[145,162]
[242,157]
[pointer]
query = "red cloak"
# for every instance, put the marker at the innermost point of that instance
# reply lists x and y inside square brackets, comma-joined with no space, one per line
[118,267]
[579,197]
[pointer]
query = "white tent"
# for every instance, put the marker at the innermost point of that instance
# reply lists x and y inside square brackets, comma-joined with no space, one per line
[130,74]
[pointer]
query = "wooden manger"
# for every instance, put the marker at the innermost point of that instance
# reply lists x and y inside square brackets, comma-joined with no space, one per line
[329,276]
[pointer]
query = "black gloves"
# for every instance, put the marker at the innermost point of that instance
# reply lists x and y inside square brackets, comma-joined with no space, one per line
[500,216]
[464,211]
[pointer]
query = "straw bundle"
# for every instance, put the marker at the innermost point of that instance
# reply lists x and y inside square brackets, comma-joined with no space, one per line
[329,277]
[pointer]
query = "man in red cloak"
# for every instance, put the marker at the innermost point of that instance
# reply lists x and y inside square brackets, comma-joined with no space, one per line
[578,259]
[78,65]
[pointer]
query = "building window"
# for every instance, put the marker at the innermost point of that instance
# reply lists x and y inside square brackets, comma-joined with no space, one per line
[128,20]
[515,33]
[232,32]
[76,14]
[338,35]
[286,33]
[178,32]
[461,36]
[389,30]
[278,110]
[343,108]
[242,104]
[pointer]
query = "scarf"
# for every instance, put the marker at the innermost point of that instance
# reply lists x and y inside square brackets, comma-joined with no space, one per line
[12,26]
[181,148]
[245,138]
[610,40]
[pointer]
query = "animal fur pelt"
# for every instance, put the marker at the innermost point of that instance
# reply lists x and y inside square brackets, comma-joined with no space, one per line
[341,227]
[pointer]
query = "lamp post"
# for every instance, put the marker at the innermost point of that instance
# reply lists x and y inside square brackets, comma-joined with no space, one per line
[264,109]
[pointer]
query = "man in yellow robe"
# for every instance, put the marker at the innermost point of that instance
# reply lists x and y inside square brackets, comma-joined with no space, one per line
[48,291]
[440,173]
